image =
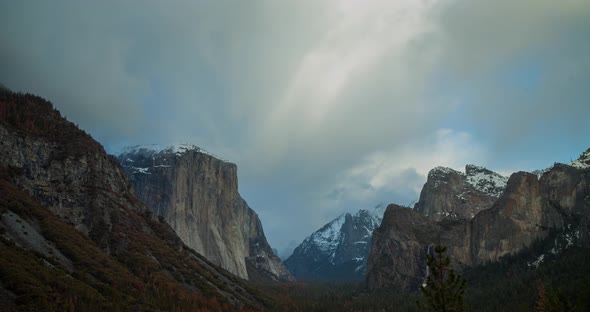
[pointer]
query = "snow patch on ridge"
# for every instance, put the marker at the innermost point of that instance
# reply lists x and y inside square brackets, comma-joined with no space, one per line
[439,171]
[537,262]
[175,149]
[482,179]
[485,180]
[583,162]
[140,170]
[328,237]
[443,170]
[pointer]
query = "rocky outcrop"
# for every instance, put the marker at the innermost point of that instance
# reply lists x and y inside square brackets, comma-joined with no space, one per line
[450,194]
[83,187]
[338,251]
[197,194]
[67,205]
[526,211]
[518,218]
[402,232]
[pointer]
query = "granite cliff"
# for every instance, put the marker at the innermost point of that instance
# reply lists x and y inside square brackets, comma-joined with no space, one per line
[197,195]
[527,209]
[450,194]
[73,235]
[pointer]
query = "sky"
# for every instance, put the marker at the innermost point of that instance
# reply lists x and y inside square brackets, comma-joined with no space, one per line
[326,106]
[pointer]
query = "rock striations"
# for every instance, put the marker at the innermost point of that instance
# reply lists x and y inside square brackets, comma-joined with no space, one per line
[450,194]
[197,195]
[338,251]
[526,210]
[73,235]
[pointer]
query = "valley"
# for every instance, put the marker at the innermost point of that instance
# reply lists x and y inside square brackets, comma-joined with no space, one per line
[166,229]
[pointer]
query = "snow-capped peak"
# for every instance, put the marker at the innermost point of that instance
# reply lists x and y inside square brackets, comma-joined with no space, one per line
[342,242]
[178,149]
[485,180]
[441,171]
[481,178]
[583,162]
[143,159]
[328,237]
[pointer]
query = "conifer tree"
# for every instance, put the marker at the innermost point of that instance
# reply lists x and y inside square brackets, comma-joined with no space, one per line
[550,300]
[444,288]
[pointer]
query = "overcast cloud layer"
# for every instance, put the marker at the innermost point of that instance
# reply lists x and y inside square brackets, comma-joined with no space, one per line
[326,106]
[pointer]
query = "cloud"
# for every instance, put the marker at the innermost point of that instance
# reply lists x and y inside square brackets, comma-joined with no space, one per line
[401,172]
[513,66]
[315,98]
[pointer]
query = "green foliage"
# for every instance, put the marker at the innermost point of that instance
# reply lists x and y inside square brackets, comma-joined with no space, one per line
[513,283]
[444,288]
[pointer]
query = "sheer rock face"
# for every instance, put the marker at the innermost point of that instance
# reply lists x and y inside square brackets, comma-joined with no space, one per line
[398,246]
[519,217]
[450,194]
[197,194]
[527,209]
[61,168]
[83,189]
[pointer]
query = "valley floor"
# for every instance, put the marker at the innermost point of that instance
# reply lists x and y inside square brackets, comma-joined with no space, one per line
[512,284]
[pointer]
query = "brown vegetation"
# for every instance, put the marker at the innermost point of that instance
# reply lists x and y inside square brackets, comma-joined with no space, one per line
[133,263]
[37,117]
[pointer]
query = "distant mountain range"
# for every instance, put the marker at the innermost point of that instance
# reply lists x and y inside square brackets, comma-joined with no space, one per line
[338,251]
[482,215]
[481,220]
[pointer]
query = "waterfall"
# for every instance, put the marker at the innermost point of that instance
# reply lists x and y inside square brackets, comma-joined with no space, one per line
[427,268]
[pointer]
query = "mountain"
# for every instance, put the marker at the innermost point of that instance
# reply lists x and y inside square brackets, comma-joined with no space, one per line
[74,237]
[331,253]
[450,194]
[527,211]
[197,195]
[337,251]
[583,162]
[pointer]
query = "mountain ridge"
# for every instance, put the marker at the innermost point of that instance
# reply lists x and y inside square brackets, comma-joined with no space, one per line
[338,250]
[527,209]
[76,213]
[451,194]
[197,194]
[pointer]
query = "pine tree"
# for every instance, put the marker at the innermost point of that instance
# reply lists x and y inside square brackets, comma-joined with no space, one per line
[444,288]
[550,300]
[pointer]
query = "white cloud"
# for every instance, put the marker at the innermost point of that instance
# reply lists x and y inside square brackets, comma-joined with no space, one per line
[406,167]
[338,86]
[362,34]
